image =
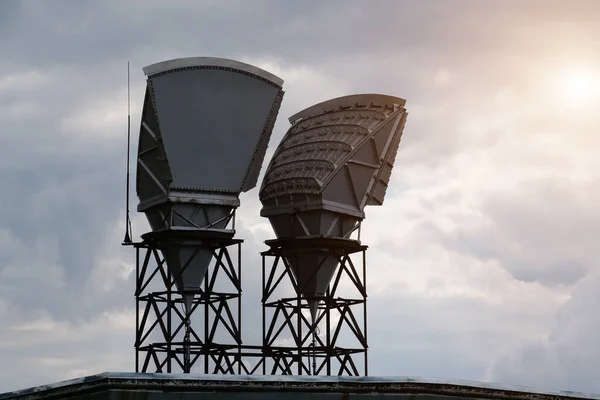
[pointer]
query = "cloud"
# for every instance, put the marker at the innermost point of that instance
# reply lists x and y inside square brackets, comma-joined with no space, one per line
[61,350]
[483,252]
[568,356]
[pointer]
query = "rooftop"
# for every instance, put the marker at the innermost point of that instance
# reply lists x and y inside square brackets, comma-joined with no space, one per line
[124,385]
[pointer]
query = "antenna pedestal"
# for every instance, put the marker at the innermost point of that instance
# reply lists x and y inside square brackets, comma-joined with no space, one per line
[298,341]
[168,337]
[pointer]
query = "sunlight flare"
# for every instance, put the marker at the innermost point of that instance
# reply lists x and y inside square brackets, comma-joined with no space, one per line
[579,85]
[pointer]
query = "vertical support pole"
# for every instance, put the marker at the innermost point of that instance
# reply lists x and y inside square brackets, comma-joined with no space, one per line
[364,267]
[299,327]
[328,326]
[137,308]
[239,304]
[169,305]
[187,357]
[264,320]
[206,297]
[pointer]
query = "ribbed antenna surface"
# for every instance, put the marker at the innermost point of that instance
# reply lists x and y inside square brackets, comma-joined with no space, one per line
[335,159]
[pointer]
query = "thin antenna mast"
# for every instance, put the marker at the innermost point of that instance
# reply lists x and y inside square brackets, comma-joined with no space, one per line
[127,239]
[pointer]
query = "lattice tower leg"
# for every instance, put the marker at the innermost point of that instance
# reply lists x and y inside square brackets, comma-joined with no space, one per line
[337,342]
[169,340]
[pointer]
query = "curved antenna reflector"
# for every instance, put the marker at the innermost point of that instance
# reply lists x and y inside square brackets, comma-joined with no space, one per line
[335,159]
[206,124]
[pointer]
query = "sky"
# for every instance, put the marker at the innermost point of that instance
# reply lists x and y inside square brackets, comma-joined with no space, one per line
[483,260]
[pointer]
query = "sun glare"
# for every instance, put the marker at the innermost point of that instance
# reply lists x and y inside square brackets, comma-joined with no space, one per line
[579,85]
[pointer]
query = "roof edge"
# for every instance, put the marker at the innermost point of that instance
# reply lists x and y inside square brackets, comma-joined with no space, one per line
[189,382]
[332,104]
[186,62]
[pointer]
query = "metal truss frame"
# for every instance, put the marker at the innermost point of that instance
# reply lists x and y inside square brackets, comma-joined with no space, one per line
[312,353]
[168,211]
[162,313]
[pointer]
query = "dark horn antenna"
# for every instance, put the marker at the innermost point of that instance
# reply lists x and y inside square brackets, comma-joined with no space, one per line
[128,234]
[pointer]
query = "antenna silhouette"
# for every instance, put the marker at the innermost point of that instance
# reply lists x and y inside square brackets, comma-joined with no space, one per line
[188,185]
[127,239]
[335,159]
